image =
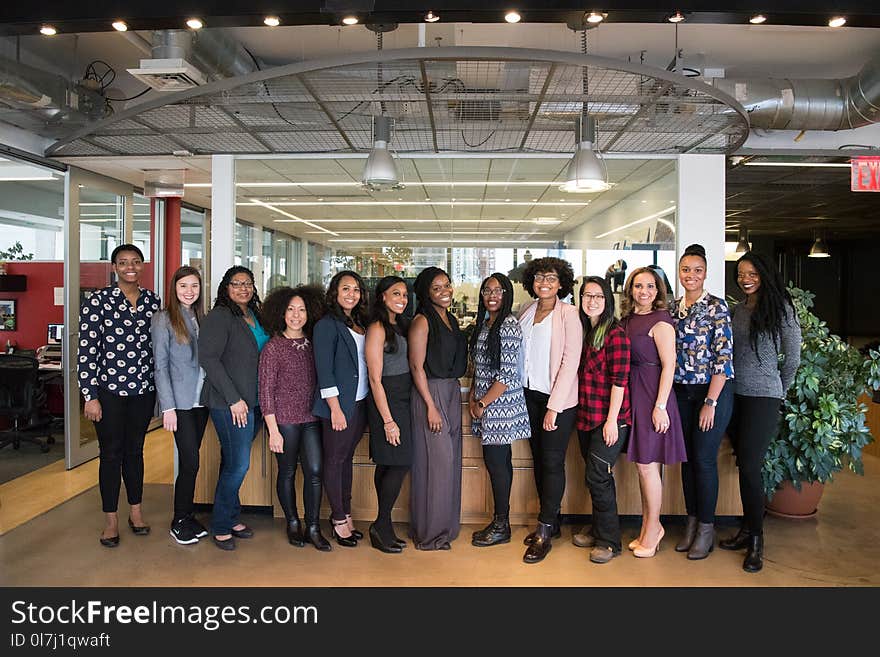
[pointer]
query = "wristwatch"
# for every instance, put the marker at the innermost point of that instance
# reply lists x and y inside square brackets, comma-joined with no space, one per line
[480,403]
[662,407]
[708,401]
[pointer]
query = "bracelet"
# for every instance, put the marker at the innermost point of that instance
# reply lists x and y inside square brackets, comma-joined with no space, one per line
[390,422]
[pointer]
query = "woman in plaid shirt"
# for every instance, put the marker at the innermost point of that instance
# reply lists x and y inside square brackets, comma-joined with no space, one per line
[603,415]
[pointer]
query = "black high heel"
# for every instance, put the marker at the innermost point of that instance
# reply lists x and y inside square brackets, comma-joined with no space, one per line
[294,533]
[357,533]
[313,535]
[344,541]
[377,542]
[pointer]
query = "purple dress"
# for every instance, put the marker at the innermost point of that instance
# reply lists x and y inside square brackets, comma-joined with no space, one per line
[645,444]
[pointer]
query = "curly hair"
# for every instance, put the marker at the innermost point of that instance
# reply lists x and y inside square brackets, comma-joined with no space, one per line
[560,267]
[773,303]
[594,336]
[223,294]
[493,340]
[628,304]
[380,313]
[275,307]
[359,312]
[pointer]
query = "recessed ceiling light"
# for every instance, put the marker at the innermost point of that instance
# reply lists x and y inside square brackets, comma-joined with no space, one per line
[677,17]
[595,17]
[120,26]
[48,30]
[431,17]
[757,19]
[272,21]
[350,20]
[837,21]
[194,24]
[512,17]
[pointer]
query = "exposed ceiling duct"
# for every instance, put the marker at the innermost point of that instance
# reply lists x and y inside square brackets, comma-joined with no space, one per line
[810,104]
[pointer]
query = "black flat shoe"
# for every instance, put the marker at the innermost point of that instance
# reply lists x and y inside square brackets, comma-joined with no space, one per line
[377,542]
[246,532]
[139,530]
[228,544]
[111,542]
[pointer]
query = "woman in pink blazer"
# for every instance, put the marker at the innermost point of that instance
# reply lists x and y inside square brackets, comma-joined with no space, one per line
[551,348]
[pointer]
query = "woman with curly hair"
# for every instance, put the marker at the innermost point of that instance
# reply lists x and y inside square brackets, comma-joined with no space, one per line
[343,383]
[656,437]
[437,358]
[552,340]
[388,408]
[230,341]
[287,391]
[496,402]
[766,355]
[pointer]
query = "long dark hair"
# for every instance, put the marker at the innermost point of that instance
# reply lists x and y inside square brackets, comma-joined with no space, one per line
[223,299]
[628,305]
[359,312]
[379,313]
[594,336]
[275,307]
[422,288]
[773,304]
[493,340]
[172,304]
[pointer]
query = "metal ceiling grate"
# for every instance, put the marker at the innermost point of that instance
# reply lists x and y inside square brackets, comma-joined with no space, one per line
[459,99]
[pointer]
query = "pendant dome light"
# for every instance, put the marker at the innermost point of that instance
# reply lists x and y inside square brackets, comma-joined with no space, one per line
[743,244]
[819,248]
[380,172]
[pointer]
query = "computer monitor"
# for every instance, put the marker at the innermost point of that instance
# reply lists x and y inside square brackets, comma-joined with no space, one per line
[54,334]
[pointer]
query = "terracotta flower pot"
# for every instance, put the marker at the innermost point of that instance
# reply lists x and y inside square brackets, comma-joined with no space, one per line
[788,502]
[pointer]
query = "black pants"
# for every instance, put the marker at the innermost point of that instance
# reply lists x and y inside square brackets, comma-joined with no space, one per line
[339,449]
[302,442]
[755,424]
[500,466]
[121,432]
[548,453]
[699,474]
[599,459]
[188,438]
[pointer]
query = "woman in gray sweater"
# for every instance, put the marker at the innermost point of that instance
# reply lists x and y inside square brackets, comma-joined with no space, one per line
[766,355]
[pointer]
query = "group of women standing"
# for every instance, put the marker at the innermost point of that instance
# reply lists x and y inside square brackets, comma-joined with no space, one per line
[318,367]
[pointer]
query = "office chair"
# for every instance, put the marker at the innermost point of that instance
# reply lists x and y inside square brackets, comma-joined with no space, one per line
[20,402]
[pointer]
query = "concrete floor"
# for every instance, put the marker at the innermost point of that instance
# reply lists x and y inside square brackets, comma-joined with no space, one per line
[841,547]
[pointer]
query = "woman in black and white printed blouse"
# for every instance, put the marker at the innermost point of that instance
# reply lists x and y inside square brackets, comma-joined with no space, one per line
[115,370]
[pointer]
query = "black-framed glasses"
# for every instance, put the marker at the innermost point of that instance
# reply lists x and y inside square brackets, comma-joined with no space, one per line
[238,285]
[546,278]
[593,297]
[492,292]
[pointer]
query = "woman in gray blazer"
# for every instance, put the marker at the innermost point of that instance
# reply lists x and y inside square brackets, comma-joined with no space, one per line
[230,341]
[179,379]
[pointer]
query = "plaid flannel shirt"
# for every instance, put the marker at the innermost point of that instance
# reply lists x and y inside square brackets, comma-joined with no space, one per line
[599,370]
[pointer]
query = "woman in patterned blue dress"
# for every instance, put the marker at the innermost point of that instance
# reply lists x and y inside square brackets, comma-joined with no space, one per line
[496,401]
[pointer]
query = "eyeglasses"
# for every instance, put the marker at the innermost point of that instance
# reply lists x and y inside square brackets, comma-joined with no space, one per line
[238,285]
[546,278]
[593,297]
[492,292]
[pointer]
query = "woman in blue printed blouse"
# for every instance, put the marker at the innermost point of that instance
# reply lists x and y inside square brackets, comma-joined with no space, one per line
[115,372]
[704,354]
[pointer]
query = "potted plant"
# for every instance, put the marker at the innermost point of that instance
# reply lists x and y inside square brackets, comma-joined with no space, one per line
[822,427]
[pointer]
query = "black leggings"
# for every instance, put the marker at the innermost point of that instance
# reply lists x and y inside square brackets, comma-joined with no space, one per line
[500,466]
[388,480]
[302,442]
[755,424]
[121,432]
[188,438]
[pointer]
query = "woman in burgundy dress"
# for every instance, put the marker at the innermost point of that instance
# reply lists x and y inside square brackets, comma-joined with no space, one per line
[656,436]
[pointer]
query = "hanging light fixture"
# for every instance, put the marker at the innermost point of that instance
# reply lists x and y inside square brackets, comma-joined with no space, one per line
[380,172]
[743,244]
[819,248]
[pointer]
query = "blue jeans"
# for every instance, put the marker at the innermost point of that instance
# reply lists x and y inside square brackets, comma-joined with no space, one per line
[235,457]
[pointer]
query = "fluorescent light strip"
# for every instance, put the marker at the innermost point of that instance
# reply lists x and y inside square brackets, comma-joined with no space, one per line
[656,215]
[413,232]
[425,221]
[798,164]
[27,178]
[309,204]
[415,183]
[451,240]
[293,217]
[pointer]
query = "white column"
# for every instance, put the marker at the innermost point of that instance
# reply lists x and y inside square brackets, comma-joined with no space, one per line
[222,216]
[701,206]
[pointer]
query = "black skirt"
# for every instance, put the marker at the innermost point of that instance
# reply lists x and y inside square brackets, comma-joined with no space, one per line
[398,389]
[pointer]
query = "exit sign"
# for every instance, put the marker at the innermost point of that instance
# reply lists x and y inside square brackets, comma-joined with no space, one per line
[865,174]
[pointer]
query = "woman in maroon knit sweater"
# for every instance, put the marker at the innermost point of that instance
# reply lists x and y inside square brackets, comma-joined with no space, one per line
[287,390]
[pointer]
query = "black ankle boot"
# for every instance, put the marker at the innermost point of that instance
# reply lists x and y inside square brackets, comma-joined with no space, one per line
[557,532]
[738,542]
[755,556]
[294,533]
[496,532]
[541,545]
[314,536]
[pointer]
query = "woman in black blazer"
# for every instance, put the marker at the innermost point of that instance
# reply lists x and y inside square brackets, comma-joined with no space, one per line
[343,386]
[230,341]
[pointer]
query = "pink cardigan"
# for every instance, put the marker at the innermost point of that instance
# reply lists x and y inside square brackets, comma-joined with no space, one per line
[565,353]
